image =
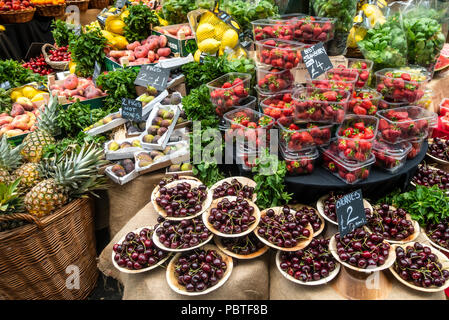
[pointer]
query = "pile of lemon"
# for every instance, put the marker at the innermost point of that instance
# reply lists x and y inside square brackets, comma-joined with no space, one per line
[373,15]
[215,36]
[26,93]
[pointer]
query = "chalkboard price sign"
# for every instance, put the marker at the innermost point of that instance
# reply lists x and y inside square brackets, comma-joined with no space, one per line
[5,85]
[120,4]
[153,76]
[131,109]
[350,212]
[316,60]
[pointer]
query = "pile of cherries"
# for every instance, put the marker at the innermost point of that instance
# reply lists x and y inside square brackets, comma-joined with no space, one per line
[391,223]
[310,264]
[439,232]
[285,229]
[428,177]
[243,245]
[439,149]
[182,200]
[38,65]
[199,269]
[138,251]
[182,234]
[60,54]
[417,264]
[362,249]
[235,188]
[232,217]
[311,215]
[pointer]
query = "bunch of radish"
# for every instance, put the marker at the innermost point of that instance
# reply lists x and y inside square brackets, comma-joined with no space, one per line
[150,50]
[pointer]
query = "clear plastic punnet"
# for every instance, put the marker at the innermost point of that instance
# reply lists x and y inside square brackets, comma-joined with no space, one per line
[391,157]
[349,171]
[279,53]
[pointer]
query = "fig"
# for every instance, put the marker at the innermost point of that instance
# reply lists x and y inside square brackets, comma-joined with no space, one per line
[168,115]
[148,138]
[166,101]
[151,90]
[145,163]
[165,123]
[168,149]
[118,170]
[128,164]
[125,145]
[174,168]
[186,167]
[113,146]
[144,156]
[161,131]
[141,125]
[155,153]
[156,138]
[160,113]
[157,157]
[107,119]
[175,99]
[153,130]
[157,121]
[136,143]
[180,120]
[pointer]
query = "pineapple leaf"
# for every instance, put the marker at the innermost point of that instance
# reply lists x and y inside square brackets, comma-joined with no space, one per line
[10,199]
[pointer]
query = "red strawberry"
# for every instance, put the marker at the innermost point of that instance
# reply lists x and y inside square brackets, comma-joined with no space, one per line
[406,77]
[350,178]
[383,124]
[365,174]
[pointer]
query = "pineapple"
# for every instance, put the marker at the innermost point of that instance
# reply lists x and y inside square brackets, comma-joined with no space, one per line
[9,160]
[34,142]
[10,202]
[29,174]
[72,176]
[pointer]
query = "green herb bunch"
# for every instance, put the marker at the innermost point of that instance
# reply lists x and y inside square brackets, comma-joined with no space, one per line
[5,101]
[86,49]
[246,11]
[175,11]
[269,176]
[77,117]
[17,75]
[343,10]
[425,204]
[198,107]
[139,22]
[61,33]
[118,84]
[386,44]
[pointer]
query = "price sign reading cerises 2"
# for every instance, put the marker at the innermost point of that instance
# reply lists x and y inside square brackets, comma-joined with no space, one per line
[316,60]
[350,212]
[153,76]
[131,109]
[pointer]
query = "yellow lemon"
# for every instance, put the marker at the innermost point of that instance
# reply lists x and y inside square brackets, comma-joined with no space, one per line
[29,92]
[2,28]
[209,17]
[209,45]
[124,14]
[38,97]
[230,39]
[204,31]
[197,55]
[109,36]
[120,42]
[72,67]
[220,29]
[15,95]
[116,26]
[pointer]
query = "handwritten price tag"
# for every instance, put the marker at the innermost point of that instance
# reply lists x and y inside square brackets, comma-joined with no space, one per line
[350,212]
[153,76]
[316,60]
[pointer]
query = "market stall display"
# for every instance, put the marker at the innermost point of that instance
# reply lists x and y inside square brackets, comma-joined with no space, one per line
[158,106]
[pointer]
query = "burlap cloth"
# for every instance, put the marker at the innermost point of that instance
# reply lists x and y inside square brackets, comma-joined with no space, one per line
[248,281]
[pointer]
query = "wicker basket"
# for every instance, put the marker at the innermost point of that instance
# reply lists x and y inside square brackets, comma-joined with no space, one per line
[50,10]
[34,258]
[57,65]
[17,16]
[98,4]
[83,5]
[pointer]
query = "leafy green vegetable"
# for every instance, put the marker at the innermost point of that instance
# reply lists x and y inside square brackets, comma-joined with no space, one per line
[246,11]
[386,44]
[78,116]
[270,173]
[424,36]
[197,106]
[5,101]
[87,48]
[207,171]
[118,84]
[175,11]
[211,68]
[61,147]
[343,10]
[61,33]
[425,205]
[139,22]
[17,75]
